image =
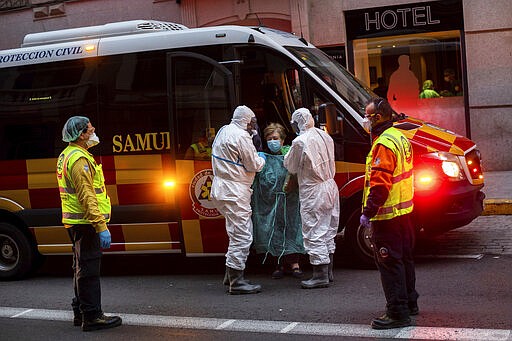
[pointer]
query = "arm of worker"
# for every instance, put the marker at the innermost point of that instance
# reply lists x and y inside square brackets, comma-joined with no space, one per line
[383,166]
[82,174]
[250,158]
[293,158]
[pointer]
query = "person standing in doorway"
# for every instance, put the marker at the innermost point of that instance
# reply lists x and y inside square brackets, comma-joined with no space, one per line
[403,87]
[85,214]
[387,207]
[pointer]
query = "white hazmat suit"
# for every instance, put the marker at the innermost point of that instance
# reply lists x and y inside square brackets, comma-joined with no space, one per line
[311,157]
[235,163]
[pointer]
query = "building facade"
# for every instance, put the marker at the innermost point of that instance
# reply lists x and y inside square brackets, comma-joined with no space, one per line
[448,62]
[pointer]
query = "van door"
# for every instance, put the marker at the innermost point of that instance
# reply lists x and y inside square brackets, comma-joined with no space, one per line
[201,101]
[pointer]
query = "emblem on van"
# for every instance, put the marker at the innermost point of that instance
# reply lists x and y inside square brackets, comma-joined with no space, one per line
[199,191]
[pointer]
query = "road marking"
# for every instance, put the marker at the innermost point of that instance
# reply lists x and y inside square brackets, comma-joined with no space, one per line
[226,324]
[476,256]
[289,327]
[23,312]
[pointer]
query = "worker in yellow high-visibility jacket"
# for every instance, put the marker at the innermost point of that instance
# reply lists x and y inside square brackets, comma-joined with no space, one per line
[387,207]
[85,214]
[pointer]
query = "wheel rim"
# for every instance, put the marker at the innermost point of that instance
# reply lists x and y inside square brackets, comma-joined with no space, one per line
[364,241]
[9,253]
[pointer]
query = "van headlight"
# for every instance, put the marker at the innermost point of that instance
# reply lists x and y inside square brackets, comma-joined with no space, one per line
[451,169]
[449,164]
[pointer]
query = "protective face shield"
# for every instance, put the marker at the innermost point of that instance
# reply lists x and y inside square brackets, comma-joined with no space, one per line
[252,126]
[367,125]
[93,140]
[295,127]
[274,145]
[302,119]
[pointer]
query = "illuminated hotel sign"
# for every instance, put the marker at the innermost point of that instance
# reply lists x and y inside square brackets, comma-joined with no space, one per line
[404,19]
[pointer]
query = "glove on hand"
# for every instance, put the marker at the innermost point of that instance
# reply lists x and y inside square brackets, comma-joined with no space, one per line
[262,155]
[105,239]
[365,221]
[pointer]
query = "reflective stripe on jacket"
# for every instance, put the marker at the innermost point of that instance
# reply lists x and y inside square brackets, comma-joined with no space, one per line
[72,211]
[400,198]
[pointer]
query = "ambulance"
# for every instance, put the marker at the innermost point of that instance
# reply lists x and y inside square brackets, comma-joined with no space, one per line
[157,93]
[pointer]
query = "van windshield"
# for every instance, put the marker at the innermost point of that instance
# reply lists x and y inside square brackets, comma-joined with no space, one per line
[335,76]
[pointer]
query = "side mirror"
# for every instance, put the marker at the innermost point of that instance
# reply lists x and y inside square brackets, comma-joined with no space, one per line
[327,118]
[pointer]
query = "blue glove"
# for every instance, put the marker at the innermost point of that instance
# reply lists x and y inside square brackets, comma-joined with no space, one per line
[364,221]
[105,239]
[262,155]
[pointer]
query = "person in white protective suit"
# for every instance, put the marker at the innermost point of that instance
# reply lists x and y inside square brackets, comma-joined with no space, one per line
[235,162]
[311,157]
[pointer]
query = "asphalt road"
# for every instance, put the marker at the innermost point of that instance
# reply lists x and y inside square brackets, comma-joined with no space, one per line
[466,293]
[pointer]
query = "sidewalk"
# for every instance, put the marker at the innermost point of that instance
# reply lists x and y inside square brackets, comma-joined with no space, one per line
[498,193]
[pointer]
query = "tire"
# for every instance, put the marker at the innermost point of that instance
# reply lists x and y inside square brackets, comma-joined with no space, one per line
[357,240]
[17,254]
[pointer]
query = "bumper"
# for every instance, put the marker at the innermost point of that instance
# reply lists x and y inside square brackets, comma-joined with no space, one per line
[454,205]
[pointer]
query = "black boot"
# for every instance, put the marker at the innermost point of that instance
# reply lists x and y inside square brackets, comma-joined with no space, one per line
[100,322]
[77,318]
[238,285]
[320,277]
[331,265]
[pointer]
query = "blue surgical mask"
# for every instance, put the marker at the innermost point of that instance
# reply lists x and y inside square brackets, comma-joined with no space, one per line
[274,145]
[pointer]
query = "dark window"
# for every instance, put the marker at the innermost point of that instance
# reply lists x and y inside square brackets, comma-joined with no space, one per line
[350,141]
[133,104]
[200,90]
[36,101]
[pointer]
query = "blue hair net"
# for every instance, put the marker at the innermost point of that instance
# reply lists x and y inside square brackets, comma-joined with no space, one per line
[73,127]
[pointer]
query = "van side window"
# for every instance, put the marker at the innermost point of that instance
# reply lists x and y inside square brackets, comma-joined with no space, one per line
[270,86]
[202,106]
[349,140]
[133,104]
[45,96]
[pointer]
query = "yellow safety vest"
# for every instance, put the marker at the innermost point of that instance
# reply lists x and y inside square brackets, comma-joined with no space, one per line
[201,152]
[72,212]
[400,199]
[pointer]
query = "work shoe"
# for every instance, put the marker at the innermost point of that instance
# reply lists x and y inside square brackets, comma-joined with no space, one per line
[238,285]
[386,322]
[77,320]
[297,273]
[320,278]
[101,322]
[278,273]
[413,310]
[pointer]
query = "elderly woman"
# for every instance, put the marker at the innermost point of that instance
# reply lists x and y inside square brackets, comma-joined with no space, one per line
[275,204]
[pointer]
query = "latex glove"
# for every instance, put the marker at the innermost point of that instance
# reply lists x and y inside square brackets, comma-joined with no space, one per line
[105,239]
[365,221]
[262,155]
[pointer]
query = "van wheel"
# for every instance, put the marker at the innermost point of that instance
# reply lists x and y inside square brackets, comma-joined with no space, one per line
[17,255]
[357,240]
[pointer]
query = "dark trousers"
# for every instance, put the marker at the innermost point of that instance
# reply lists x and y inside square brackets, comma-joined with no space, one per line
[393,245]
[86,270]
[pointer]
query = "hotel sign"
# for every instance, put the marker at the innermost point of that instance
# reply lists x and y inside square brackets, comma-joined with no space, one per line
[405,19]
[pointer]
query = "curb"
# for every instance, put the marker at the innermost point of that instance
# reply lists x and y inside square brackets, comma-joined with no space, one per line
[497,207]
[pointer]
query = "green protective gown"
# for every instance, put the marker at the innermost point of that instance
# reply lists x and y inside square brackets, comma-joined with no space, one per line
[275,214]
